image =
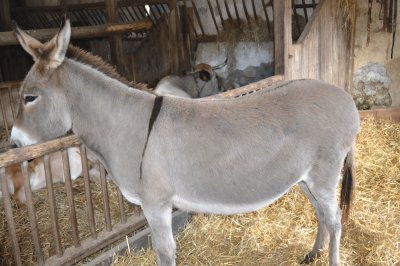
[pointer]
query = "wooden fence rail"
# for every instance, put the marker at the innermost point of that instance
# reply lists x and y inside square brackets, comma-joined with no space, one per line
[80,248]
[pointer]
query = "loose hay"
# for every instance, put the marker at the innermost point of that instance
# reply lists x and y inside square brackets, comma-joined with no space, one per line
[284,232]
[44,222]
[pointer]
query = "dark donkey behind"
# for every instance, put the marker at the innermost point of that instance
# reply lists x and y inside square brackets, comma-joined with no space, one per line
[213,156]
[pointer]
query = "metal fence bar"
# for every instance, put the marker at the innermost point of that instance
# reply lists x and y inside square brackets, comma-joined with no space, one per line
[106,203]
[296,19]
[253,5]
[213,15]
[83,18]
[163,8]
[52,206]
[246,12]
[160,12]
[220,14]
[143,11]
[70,198]
[121,206]
[32,214]
[267,17]
[305,10]
[132,13]
[122,14]
[237,13]
[56,17]
[151,16]
[228,12]
[101,15]
[190,19]
[95,17]
[314,4]
[196,12]
[137,15]
[9,217]
[88,193]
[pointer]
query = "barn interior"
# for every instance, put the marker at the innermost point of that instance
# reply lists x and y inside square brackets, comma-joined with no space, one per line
[177,34]
[257,42]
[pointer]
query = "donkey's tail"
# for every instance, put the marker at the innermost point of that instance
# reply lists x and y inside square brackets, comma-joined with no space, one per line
[346,193]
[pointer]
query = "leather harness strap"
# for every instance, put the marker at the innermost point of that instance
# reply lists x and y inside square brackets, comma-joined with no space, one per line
[154,114]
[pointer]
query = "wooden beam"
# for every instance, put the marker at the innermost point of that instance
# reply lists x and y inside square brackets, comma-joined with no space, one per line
[174,34]
[86,6]
[282,35]
[143,2]
[387,113]
[8,38]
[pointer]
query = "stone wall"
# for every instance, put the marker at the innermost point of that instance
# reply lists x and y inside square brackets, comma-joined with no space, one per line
[371,86]
[376,77]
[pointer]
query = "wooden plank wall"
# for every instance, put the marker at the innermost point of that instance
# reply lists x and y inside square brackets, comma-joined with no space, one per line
[165,51]
[323,51]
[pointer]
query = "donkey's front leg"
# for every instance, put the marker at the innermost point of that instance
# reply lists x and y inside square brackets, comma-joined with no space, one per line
[160,219]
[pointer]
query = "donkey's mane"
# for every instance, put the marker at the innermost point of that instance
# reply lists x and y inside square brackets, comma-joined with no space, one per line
[98,63]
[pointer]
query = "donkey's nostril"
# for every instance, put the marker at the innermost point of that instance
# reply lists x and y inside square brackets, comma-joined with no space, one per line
[14,143]
[13,146]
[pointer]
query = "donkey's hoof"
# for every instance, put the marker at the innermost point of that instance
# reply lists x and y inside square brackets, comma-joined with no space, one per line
[310,257]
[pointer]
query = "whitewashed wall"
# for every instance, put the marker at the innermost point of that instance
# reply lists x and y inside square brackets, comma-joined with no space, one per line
[247,61]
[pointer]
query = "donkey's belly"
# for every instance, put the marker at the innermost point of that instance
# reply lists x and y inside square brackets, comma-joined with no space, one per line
[249,195]
[226,208]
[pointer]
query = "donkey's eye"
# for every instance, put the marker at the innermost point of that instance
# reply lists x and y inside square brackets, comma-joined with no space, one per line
[29,98]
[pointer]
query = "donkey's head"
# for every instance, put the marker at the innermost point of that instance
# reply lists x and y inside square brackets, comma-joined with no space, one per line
[43,111]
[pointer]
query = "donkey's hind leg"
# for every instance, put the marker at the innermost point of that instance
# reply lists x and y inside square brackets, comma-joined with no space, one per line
[321,184]
[160,222]
[321,241]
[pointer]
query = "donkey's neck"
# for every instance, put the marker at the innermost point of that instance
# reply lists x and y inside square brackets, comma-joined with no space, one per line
[107,114]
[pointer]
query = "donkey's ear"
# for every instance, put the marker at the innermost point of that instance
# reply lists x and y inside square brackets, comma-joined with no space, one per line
[56,48]
[30,44]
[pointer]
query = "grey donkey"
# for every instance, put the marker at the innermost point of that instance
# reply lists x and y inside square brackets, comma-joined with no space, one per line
[222,156]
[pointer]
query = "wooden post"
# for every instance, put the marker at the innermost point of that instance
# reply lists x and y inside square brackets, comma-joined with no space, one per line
[173,38]
[5,17]
[9,217]
[185,41]
[282,35]
[32,214]
[350,67]
[116,46]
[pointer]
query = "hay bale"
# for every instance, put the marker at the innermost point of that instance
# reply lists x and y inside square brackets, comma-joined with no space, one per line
[282,233]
